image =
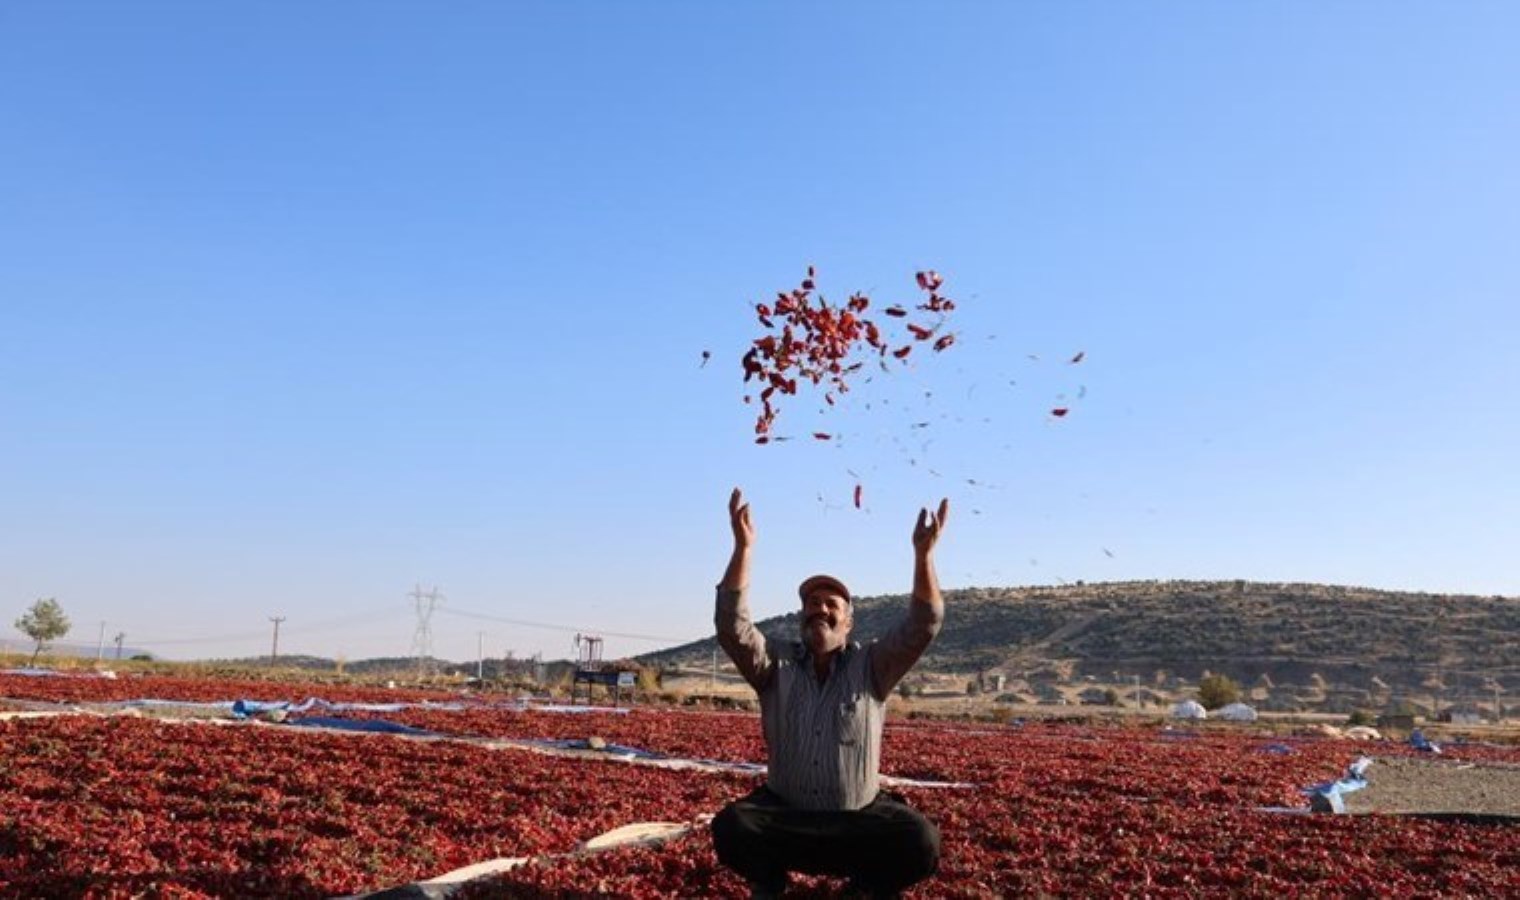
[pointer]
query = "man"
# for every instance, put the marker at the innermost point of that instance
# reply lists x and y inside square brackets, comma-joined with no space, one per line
[822,707]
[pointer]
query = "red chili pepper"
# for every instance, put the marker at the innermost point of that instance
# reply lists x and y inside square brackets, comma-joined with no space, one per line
[1059,411]
[896,312]
[902,352]
[1078,358]
[944,342]
[822,435]
[857,496]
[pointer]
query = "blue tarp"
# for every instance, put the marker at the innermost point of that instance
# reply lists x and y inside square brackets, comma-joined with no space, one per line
[180,704]
[243,708]
[1419,741]
[1326,796]
[1277,749]
[584,744]
[378,726]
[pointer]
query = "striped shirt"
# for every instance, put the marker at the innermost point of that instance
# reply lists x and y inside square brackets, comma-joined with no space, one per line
[823,737]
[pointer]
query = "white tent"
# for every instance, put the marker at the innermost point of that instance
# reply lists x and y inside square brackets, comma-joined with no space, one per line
[1236,712]
[1189,709]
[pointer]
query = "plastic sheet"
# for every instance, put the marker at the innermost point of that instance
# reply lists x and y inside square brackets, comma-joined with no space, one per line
[1327,796]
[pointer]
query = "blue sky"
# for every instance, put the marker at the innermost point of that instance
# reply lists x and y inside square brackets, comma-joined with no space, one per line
[303,304]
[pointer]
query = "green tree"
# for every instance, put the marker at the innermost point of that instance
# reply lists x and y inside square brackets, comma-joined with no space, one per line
[44,622]
[1215,691]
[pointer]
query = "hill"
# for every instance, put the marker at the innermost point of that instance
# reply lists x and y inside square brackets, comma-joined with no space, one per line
[1310,641]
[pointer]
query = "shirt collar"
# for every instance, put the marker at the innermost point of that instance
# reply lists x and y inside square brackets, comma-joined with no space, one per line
[801,653]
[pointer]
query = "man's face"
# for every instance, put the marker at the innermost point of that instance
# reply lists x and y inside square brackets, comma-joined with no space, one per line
[825,621]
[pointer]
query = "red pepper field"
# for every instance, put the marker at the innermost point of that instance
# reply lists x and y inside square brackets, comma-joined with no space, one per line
[133,805]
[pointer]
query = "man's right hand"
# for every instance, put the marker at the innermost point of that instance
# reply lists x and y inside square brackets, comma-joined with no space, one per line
[738,519]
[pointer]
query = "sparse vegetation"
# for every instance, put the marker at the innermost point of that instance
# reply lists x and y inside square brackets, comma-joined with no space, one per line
[1170,632]
[43,622]
[1215,691]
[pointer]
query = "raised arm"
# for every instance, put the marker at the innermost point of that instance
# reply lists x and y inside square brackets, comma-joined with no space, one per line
[900,648]
[737,635]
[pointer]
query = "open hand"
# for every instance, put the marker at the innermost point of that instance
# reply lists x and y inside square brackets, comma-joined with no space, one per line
[927,531]
[738,518]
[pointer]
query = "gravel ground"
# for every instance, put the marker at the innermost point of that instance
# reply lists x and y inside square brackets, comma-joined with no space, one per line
[1402,785]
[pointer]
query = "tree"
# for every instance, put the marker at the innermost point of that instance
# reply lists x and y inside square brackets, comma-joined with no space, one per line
[44,622]
[1215,691]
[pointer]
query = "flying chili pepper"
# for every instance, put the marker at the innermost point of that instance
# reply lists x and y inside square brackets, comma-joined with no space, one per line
[813,341]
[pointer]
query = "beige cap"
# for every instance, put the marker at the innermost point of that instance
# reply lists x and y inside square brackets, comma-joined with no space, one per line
[828,582]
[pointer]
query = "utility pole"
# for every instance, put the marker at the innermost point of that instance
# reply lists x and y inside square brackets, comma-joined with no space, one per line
[480,656]
[274,650]
[100,647]
[712,679]
[1137,692]
[120,636]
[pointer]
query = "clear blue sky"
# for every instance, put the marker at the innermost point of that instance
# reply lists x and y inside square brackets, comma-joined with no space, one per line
[301,304]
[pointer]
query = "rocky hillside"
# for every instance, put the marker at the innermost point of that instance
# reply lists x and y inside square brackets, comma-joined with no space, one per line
[1321,638]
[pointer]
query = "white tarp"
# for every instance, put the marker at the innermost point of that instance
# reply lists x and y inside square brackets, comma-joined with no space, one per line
[1236,712]
[1189,709]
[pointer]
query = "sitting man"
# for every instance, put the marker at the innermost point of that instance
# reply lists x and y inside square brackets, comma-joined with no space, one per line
[822,707]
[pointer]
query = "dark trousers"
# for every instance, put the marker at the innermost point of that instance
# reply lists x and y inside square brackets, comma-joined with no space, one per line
[882,848]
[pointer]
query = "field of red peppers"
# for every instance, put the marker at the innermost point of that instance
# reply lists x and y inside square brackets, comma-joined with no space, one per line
[123,806]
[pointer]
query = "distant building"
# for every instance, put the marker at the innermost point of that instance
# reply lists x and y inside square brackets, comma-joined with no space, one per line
[1461,715]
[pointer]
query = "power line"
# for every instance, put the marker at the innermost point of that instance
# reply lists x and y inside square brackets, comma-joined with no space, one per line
[572,629]
[323,625]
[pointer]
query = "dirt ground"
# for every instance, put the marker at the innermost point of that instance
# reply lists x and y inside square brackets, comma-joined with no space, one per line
[1400,785]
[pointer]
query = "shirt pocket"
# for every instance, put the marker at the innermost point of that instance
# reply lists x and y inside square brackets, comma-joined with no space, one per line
[850,722]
